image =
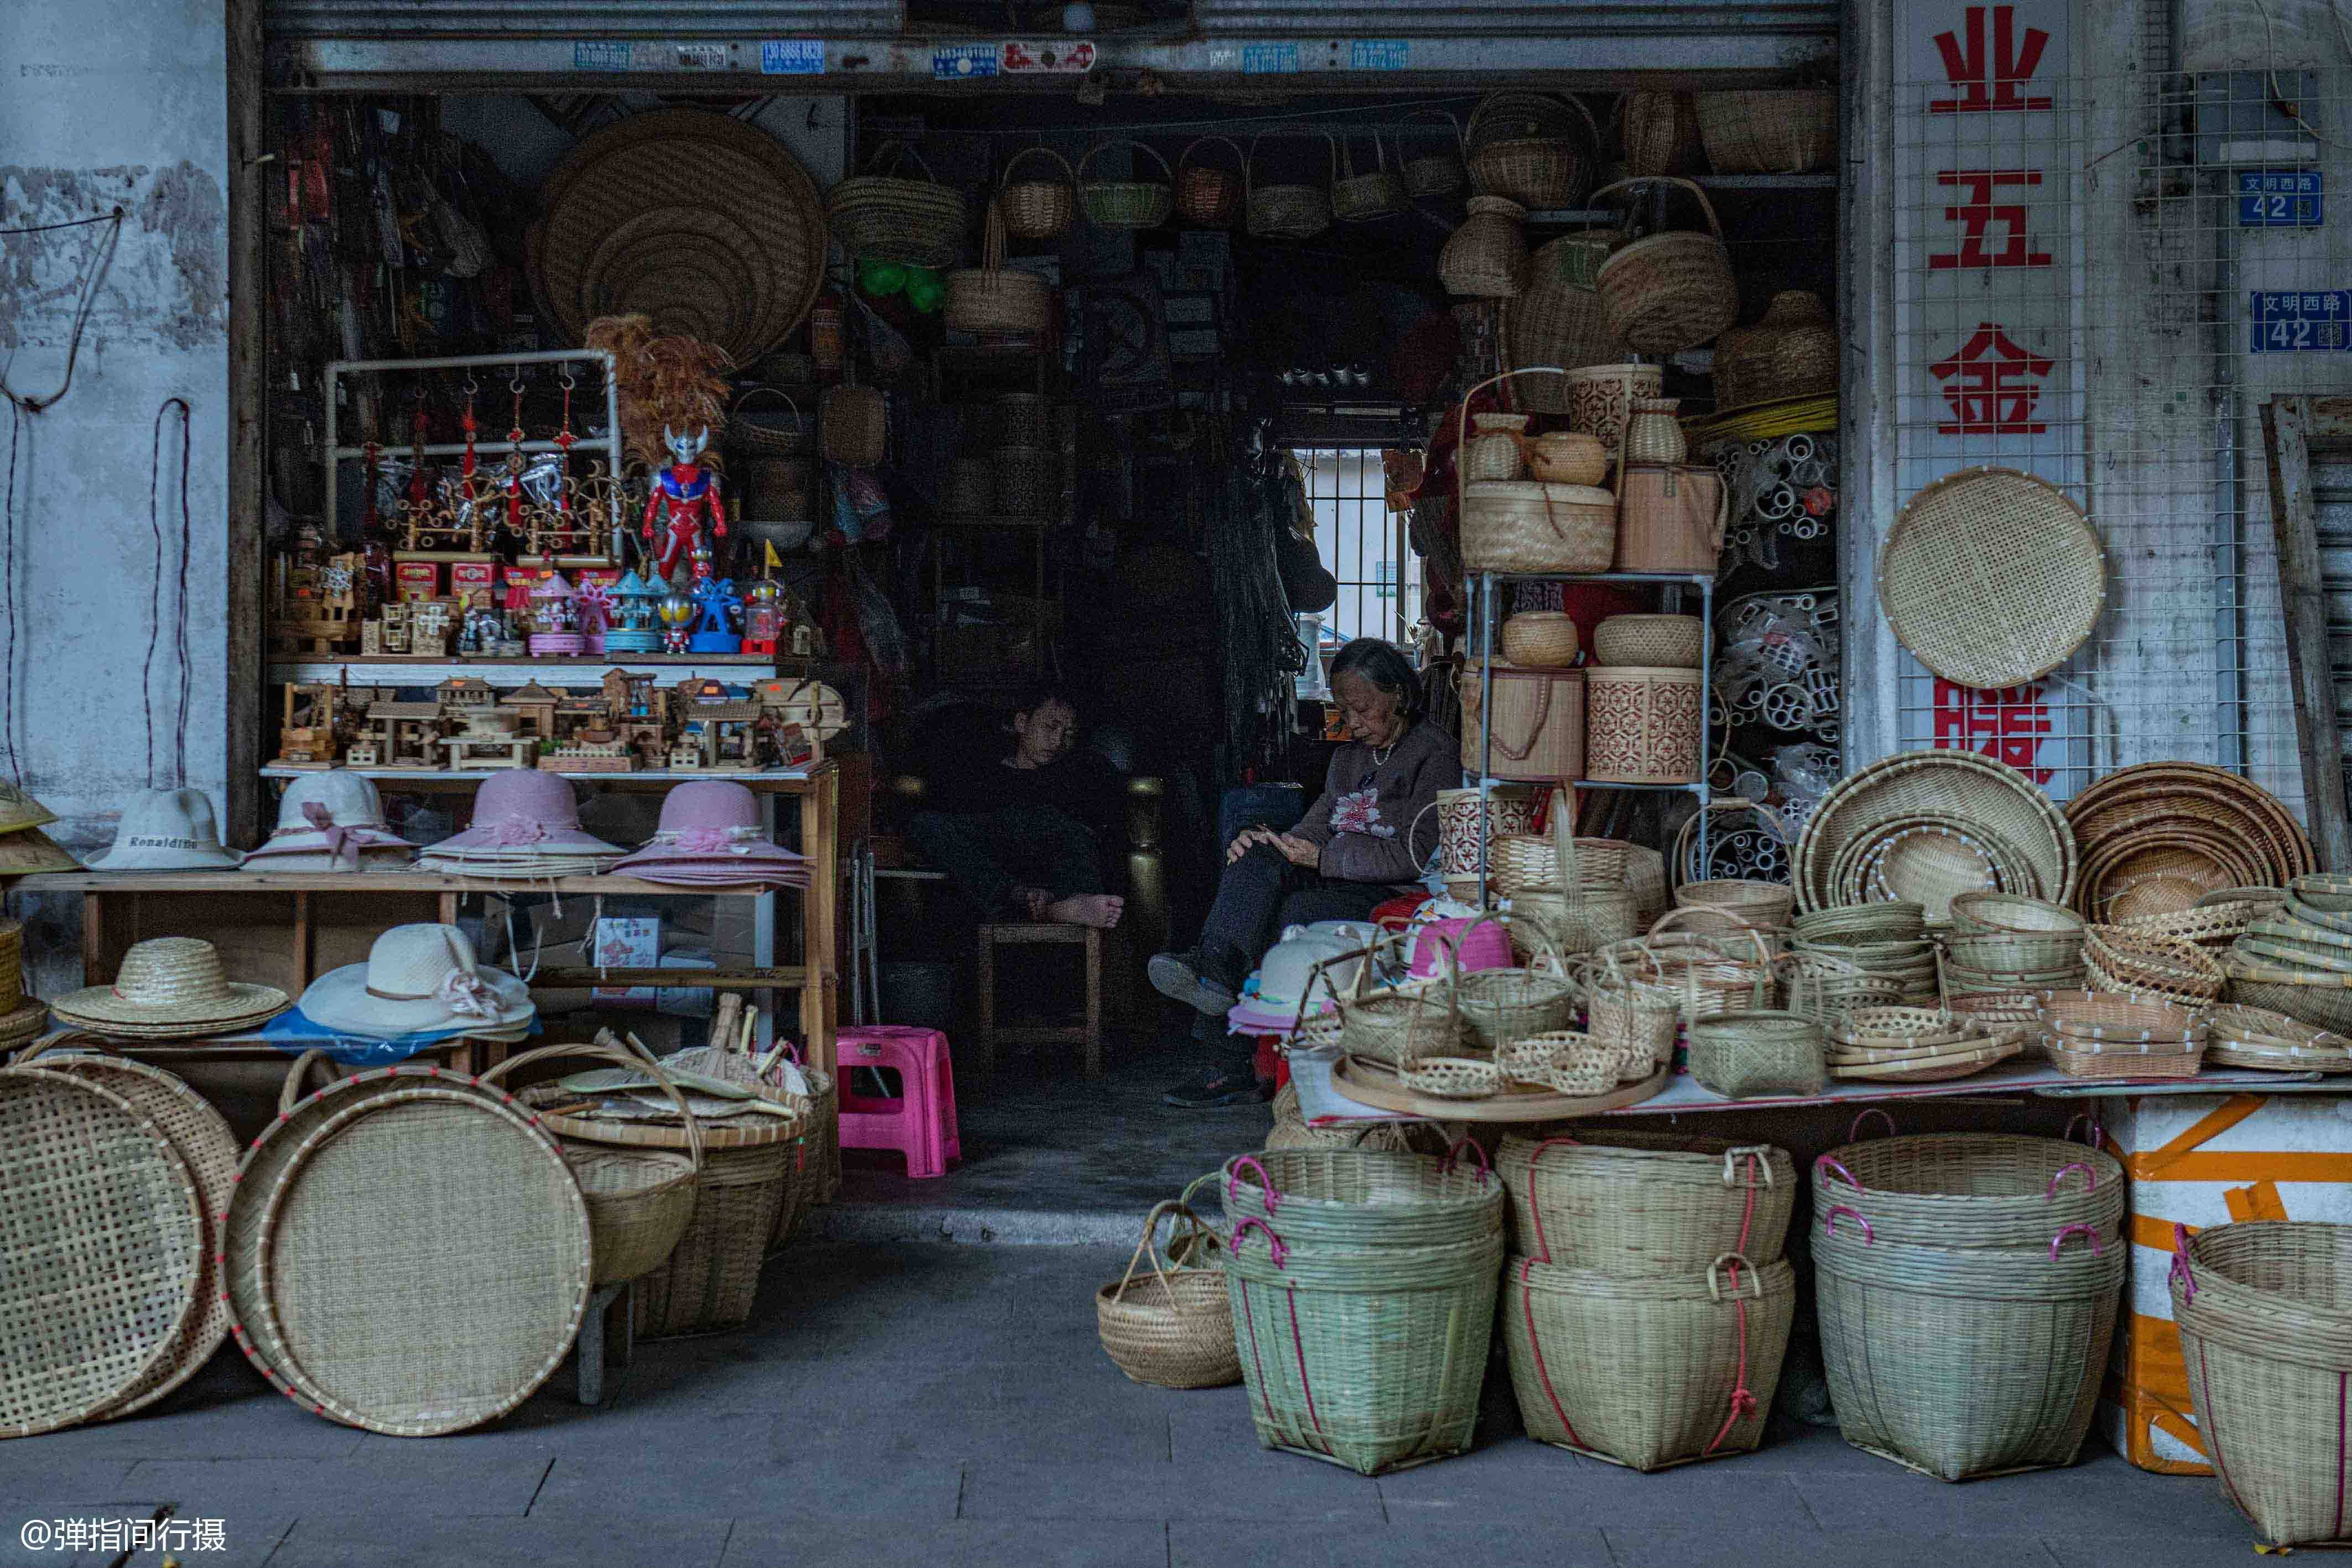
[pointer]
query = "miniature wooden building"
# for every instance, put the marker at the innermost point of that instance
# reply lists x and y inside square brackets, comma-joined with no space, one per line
[308,737]
[407,734]
[463,695]
[316,605]
[725,734]
[535,705]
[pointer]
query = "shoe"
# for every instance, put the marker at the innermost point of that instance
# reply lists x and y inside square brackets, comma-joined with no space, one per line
[1177,976]
[1218,1090]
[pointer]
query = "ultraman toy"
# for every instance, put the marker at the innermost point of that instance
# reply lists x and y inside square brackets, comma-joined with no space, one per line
[682,492]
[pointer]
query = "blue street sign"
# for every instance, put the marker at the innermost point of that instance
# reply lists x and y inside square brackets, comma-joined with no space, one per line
[2292,321]
[2281,199]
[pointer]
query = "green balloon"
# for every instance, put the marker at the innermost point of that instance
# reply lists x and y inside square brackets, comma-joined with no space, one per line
[880,279]
[926,294]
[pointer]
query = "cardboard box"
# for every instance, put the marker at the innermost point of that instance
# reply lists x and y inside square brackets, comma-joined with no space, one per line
[2199,1160]
[416,580]
[474,581]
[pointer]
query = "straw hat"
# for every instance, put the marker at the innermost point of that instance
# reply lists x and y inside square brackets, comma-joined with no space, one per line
[710,831]
[29,850]
[416,978]
[167,829]
[336,814]
[169,986]
[19,810]
[522,817]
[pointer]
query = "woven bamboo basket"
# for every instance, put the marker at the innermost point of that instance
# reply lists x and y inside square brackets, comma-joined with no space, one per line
[1971,1191]
[711,1280]
[1630,1017]
[1286,211]
[1126,203]
[1174,1330]
[1487,255]
[1765,905]
[1824,988]
[2141,964]
[1537,727]
[1388,1026]
[1209,198]
[1525,151]
[1565,458]
[1359,1201]
[1494,454]
[1552,324]
[1575,917]
[2265,1316]
[1434,171]
[852,425]
[1527,527]
[1529,862]
[1499,1006]
[1659,131]
[1366,197]
[887,217]
[1370,1357]
[1708,974]
[1568,1062]
[1912,1335]
[1658,642]
[1671,519]
[1642,724]
[971,485]
[993,298]
[2014,953]
[1602,397]
[1750,1055]
[1995,913]
[1540,639]
[754,433]
[1636,1204]
[1650,1372]
[1037,209]
[1769,131]
[1791,351]
[1670,290]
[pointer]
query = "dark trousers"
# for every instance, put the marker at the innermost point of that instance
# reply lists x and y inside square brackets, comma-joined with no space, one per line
[1259,894]
[988,854]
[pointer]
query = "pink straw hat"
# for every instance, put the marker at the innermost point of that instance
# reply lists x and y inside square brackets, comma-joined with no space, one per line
[710,832]
[523,813]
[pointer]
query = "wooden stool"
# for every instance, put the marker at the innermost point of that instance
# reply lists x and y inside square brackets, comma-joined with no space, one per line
[1086,1036]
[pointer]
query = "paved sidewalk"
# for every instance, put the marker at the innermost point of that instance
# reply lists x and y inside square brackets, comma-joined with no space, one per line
[945,1406]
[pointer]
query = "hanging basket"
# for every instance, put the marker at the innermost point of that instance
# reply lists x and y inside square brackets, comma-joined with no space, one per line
[1435,171]
[852,424]
[1521,147]
[1362,198]
[1485,258]
[992,298]
[1670,290]
[1126,203]
[1209,198]
[1037,209]
[1288,211]
[887,217]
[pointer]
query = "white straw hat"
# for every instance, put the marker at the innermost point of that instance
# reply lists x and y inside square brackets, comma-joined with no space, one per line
[169,985]
[416,978]
[337,813]
[167,829]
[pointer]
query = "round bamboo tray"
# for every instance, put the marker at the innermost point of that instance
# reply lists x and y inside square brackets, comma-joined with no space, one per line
[1993,578]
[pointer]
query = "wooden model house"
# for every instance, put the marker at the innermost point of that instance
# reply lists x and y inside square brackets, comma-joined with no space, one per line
[316,607]
[407,734]
[461,696]
[535,705]
[308,735]
[727,735]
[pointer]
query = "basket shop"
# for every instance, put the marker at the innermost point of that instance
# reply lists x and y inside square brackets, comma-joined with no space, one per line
[1078,565]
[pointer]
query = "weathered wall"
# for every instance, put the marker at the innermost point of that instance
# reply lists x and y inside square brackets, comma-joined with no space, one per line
[107,103]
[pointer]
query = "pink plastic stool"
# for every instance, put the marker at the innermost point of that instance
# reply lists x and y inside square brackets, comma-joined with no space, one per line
[921,1123]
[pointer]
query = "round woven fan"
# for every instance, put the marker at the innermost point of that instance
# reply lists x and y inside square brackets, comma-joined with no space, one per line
[1993,578]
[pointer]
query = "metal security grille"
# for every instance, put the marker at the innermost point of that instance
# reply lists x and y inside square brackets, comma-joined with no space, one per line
[2100,287]
[1362,545]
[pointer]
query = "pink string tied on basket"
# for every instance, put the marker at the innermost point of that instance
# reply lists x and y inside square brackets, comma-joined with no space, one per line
[343,843]
[2182,1270]
[1265,1182]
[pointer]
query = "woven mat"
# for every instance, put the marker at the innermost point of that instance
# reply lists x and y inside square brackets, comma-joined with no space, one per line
[1993,578]
[694,231]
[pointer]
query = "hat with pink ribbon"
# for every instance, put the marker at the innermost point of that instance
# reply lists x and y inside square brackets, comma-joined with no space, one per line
[417,978]
[710,833]
[526,823]
[335,816]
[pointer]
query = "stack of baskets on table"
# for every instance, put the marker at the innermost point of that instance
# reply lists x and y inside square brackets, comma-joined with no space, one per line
[1175,1329]
[2156,838]
[2149,966]
[2104,1034]
[1968,1286]
[2241,1036]
[1704,972]
[2297,959]
[1576,899]
[1918,1045]
[1362,1288]
[1927,826]
[2004,950]
[1888,940]
[1646,1306]
[2265,1317]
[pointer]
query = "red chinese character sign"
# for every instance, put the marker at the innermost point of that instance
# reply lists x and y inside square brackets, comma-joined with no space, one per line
[1990,59]
[1992,384]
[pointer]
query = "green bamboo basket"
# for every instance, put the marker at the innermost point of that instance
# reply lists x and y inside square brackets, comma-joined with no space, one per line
[1364,1197]
[1614,1201]
[1971,1190]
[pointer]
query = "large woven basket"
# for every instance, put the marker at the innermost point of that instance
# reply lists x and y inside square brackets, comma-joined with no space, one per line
[1769,131]
[713,1275]
[1642,724]
[1175,1329]
[1961,1363]
[1487,255]
[1791,353]
[1971,1190]
[1126,203]
[1651,1371]
[1556,323]
[1037,209]
[887,217]
[1209,198]
[1671,289]
[1368,1357]
[1344,1199]
[1524,526]
[993,298]
[2265,1317]
[1636,1204]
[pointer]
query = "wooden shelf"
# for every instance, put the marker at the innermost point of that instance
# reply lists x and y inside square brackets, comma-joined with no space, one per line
[782,978]
[359,882]
[643,777]
[952,520]
[430,670]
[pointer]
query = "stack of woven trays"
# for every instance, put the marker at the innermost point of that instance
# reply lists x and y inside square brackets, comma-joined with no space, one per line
[1646,1304]
[2297,959]
[2145,966]
[2003,951]
[2100,1034]
[114,1172]
[1917,1045]
[1365,1285]
[2243,1036]
[1968,1286]
[1888,940]
[2156,838]
[1926,827]
[2265,1316]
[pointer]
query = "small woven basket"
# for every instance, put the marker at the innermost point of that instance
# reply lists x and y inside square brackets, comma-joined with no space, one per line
[1363,198]
[1126,203]
[711,1278]
[1288,211]
[1174,1330]
[1487,255]
[1745,1055]
[1435,171]
[1037,209]
[992,298]
[1540,639]
[1209,198]
[1659,642]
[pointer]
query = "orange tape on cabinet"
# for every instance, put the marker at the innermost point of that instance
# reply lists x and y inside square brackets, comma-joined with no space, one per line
[2260,1201]
[2157,1163]
[2147,1231]
[2249,1166]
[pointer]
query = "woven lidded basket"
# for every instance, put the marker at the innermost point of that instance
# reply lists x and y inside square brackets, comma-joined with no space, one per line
[887,217]
[1651,1371]
[1671,289]
[1636,1204]
[1126,203]
[1769,131]
[1642,724]
[1540,639]
[1037,209]
[1524,526]
[1524,146]
[1175,1329]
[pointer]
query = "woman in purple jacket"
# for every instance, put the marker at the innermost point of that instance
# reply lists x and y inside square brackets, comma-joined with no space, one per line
[1356,849]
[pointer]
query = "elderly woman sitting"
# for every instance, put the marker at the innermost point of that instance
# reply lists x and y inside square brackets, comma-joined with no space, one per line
[1355,849]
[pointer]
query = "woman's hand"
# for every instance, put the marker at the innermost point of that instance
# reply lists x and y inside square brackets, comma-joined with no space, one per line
[1298,852]
[1258,834]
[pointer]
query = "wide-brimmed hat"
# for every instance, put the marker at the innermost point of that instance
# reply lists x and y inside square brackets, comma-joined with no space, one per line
[29,849]
[19,810]
[167,829]
[416,978]
[336,813]
[522,819]
[710,832]
[170,986]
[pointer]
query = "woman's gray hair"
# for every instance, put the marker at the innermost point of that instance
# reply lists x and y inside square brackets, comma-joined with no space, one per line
[1386,667]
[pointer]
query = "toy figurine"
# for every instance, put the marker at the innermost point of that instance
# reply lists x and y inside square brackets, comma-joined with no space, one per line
[593,610]
[677,611]
[715,632]
[683,493]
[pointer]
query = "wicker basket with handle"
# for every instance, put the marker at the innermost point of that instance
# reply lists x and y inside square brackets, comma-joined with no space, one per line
[1434,171]
[1769,131]
[1174,1330]
[1362,198]
[1530,157]
[1287,211]
[887,217]
[1554,322]
[1671,289]
[1037,209]
[1487,255]
[1574,917]
[1209,198]
[1126,203]
[1389,1025]
[993,298]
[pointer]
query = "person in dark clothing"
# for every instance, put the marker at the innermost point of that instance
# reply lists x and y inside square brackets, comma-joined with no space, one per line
[1014,837]
[1356,849]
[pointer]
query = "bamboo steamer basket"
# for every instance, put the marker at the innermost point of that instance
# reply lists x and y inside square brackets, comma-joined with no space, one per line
[1659,131]
[1209,198]
[1126,203]
[1671,519]
[1769,131]
[1487,255]
[1565,458]
[1642,724]
[1038,209]
[1600,399]
[1286,212]
[1537,727]
[1661,641]
[1540,639]
[993,298]
[1670,290]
